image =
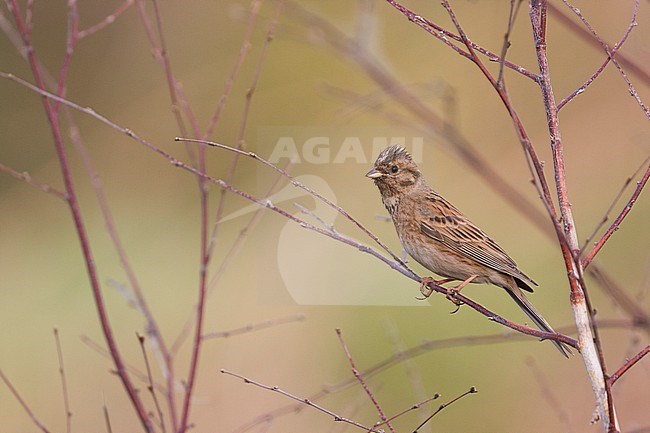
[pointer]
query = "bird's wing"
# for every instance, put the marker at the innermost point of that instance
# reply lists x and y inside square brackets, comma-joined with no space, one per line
[443,223]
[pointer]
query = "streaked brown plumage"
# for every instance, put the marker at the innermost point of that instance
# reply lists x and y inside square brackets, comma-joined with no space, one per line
[441,238]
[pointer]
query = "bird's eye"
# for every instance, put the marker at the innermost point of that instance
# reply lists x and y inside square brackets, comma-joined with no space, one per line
[394,169]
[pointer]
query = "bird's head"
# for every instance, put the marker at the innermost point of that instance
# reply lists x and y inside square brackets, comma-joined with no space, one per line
[394,171]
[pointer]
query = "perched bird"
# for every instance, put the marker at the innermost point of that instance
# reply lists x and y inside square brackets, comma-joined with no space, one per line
[442,239]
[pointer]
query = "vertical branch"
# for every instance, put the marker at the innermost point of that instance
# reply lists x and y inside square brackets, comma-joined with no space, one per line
[150,385]
[589,345]
[359,378]
[73,204]
[64,383]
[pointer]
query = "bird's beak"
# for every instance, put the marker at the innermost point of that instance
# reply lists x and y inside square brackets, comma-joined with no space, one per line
[374,174]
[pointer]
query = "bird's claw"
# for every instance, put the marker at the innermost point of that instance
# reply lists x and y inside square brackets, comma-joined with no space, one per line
[425,289]
[453,291]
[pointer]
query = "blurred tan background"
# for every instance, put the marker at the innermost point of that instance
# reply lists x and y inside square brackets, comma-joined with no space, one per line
[306,86]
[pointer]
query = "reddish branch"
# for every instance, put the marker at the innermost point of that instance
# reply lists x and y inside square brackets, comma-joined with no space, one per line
[619,219]
[22,402]
[64,383]
[628,364]
[27,178]
[360,379]
[626,61]
[73,204]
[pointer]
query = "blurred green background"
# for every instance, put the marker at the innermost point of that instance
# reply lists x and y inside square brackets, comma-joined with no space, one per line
[307,85]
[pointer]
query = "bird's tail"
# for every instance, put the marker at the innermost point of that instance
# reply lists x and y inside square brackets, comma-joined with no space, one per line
[523,302]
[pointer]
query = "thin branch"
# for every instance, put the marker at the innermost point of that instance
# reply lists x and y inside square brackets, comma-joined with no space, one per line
[107,417]
[514,10]
[109,19]
[628,364]
[304,401]
[27,178]
[22,402]
[150,386]
[628,62]
[359,378]
[411,408]
[444,35]
[619,219]
[234,73]
[472,390]
[139,374]
[64,384]
[593,38]
[611,206]
[610,53]
[255,327]
[230,174]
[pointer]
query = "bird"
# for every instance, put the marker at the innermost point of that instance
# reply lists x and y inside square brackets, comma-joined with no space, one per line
[442,239]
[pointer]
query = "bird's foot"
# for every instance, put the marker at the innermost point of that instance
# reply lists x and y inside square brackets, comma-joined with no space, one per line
[426,290]
[453,291]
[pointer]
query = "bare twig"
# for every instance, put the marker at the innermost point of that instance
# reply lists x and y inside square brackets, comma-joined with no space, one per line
[472,390]
[361,381]
[28,179]
[243,52]
[619,219]
[583,32]
[107,417]
[22,402]
[64,383]
[270,34]
[108,20]
[605,218]
[150,385]
[139,374]
[514,10]
[592,37]
[444,35]
[628,364]
[411,408]
[255,327]
[303,401]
